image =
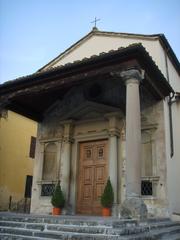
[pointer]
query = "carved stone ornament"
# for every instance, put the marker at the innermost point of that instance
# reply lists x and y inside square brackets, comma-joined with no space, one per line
[132,74]
[68,139]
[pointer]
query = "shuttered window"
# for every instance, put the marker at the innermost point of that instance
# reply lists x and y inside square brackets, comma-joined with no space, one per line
[28,186]
[32,147]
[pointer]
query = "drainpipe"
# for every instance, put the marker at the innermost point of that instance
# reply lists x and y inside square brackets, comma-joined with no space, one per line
[170,102]
[170,111]
[171,124]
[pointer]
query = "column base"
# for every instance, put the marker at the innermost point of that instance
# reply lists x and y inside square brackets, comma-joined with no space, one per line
[134,208]
[115,210]
[68,210]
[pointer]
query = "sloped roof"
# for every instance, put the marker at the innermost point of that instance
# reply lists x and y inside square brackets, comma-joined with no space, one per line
[95,32]
[33,94]
[137,49]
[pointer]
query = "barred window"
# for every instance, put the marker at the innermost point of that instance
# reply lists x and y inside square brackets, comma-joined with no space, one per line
[47,189]
[146,188]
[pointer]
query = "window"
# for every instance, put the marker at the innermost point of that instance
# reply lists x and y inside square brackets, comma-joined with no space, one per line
[28,186]
[32,147]
[47,189]
[50,162]
[149,178]
[146,188]
[147,163]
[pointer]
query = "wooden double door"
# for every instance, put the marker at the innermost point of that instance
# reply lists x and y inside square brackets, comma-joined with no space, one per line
[92,176]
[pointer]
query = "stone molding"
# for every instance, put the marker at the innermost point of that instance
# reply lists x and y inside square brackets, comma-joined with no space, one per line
[51,140]
[91,136]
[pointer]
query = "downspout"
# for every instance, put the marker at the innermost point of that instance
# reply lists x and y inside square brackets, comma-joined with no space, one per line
[171,125]
[170,111]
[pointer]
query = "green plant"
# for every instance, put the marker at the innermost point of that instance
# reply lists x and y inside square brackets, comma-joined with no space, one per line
[107,197]
[58,199]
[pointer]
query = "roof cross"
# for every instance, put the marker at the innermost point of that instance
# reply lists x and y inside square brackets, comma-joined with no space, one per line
[95,21]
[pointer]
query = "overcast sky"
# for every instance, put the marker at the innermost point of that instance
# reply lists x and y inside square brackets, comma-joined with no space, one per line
[33,32]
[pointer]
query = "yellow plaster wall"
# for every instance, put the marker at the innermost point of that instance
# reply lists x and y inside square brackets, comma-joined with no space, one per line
[15,163]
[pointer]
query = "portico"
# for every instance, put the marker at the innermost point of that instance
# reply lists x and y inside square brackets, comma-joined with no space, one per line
[83,109]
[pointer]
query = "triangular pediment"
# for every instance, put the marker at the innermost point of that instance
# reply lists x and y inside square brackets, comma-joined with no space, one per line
[90,110]
[83,111]
[91,45]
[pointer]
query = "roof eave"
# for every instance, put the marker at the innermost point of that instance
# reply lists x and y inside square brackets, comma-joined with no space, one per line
[135,50]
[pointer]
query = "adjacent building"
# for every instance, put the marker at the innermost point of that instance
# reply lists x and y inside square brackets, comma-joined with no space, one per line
[16,164]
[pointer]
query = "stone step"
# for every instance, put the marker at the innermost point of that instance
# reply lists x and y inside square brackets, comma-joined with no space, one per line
[56,227]
[23,226]
[70,220]
[6,236]
[163,225]
[175,236]
[7,231]
[31,226]
[166,232]
[100,229]
[160,234]
[17,231]
[121,230]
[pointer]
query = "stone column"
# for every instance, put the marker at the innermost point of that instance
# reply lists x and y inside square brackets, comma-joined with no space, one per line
[113,154]
[113,165]
[66,160]
[132,80]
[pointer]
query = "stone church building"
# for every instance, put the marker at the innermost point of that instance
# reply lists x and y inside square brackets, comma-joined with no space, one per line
[108,106]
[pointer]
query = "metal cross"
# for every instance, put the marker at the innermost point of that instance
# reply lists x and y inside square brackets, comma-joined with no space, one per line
[95,21]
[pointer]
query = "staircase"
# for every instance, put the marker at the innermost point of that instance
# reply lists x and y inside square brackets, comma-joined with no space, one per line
[26,226]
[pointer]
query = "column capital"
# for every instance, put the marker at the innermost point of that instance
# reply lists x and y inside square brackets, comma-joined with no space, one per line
[68,139]
[114,132]
[132,75]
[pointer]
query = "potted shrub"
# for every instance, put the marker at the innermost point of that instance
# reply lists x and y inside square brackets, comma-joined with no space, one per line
[107,199]
[57,200]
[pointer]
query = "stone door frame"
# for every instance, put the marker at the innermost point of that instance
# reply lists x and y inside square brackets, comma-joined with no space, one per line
[76,153]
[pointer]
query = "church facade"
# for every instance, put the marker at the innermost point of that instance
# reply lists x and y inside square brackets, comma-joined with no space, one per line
[107,107]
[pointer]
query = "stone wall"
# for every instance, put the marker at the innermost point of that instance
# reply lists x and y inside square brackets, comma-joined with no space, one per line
[52,130]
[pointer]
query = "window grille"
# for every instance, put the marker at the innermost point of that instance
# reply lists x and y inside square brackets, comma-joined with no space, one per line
[146,188]
[47,189]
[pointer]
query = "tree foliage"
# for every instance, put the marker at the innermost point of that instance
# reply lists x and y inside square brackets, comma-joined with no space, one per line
[58,199]
[107,197]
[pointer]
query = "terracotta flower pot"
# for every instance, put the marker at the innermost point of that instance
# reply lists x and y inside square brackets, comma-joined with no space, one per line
[56,211]
[106,212]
